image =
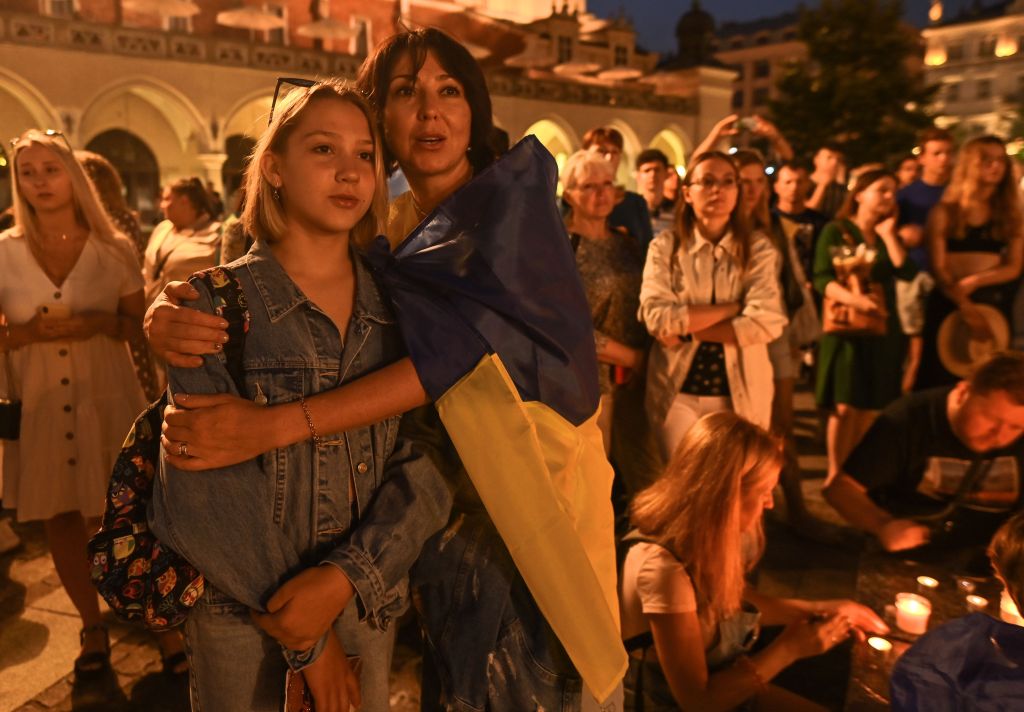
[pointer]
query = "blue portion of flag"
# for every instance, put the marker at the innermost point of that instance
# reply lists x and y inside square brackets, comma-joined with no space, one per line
[491,270]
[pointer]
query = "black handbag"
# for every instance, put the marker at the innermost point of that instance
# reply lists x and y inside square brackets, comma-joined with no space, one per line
[10,406]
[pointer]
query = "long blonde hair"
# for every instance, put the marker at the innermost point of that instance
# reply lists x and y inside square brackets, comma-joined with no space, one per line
[264,217]
[1005,204]
[89,212]
[1006,552]
[686,218]
[695,509]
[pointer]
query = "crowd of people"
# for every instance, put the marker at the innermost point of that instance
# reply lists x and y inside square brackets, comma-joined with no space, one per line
[318,489]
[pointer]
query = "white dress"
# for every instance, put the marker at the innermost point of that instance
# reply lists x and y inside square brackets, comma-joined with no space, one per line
[78,399]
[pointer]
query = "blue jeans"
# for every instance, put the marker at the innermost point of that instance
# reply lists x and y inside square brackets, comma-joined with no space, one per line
[236,667]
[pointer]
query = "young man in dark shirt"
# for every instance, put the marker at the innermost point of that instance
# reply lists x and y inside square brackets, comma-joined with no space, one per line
[801,224]
[915,201]
[828,187]
[932,448]
[651,171]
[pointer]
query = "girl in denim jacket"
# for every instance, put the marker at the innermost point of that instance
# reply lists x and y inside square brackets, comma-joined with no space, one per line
[314,539]
[501,653]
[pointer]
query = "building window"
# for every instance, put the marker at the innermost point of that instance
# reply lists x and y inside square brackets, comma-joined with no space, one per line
[1019,96]
[564,49]
[737,99]
[359,46]
[761,96]
[762,68]
[955,52]
[987,47]
[738,68]
[280,36]
[59,8]
[737,43]
[984,90]
[621,56]
[762,40]
[952,92]
[789,35]
[181,25]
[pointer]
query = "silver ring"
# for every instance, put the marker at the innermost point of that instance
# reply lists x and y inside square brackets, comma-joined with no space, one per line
[182,449]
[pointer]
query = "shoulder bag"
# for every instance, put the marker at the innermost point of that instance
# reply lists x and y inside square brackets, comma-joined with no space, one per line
[137,575]
[842,319]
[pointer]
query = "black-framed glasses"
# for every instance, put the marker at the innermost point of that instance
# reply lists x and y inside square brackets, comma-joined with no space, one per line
[295,82]
[50,133]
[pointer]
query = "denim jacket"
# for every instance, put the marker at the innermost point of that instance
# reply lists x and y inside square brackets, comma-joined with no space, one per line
[251,527]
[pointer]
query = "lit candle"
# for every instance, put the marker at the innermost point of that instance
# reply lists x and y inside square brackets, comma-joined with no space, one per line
[912,612]
[926,584]
[976,603]
[880,644]
[1008,610]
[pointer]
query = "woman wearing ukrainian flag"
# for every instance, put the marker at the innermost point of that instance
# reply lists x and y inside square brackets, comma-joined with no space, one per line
[485,288]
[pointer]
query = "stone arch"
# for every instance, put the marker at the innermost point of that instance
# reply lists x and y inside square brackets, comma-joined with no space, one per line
[672,141]
[23,108]
[136,164]
[161,116]
[631,147]
[248,116]
[557,136]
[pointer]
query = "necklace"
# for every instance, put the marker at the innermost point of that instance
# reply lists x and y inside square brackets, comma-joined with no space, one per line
[420,212]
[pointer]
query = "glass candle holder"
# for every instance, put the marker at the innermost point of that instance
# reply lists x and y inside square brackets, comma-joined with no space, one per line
[926,585]
[912,613]
[976,603]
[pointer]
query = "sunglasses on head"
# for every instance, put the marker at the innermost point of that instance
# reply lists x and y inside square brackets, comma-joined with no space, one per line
[295,82]
[50,133]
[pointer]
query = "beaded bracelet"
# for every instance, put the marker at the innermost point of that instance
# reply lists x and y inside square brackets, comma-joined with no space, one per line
[309,422]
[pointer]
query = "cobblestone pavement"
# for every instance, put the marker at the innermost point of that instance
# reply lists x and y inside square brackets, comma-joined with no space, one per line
[39,628]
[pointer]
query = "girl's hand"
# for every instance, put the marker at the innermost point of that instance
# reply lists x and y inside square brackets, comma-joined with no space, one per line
[725,127]
[808,637]
[40,330]
[966,286]
[219,430]
[178,334]
[88,324]
[976,322]
[764,128]
[303,609]
[670,341]
[886,228]
[862,619]
[868,304]
[332,681]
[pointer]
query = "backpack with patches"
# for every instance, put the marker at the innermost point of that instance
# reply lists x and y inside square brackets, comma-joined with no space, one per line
[138,576]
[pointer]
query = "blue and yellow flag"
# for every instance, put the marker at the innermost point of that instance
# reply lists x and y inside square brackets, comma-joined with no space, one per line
[498,327]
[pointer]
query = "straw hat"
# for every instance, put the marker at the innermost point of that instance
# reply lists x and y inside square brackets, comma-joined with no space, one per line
[960,352]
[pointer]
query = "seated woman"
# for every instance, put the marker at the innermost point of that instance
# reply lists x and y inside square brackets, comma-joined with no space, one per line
[688,615]
[975,662]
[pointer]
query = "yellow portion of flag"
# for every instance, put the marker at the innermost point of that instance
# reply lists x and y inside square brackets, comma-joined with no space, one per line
[546,485]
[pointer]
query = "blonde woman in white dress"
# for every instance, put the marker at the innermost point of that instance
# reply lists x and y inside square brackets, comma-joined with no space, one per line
[71,293]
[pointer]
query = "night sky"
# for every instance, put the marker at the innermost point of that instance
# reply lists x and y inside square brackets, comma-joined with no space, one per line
[655,20]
